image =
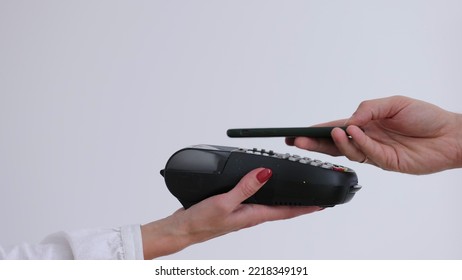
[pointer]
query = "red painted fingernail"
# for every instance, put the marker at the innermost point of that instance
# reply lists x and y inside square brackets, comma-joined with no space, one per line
[264,175]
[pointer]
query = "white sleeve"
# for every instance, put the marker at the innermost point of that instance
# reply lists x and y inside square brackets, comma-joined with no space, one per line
[122,243]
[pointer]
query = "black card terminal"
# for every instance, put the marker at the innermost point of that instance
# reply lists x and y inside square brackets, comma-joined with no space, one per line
[195,173]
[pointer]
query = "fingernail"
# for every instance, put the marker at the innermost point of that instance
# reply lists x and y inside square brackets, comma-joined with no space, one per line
[264,175]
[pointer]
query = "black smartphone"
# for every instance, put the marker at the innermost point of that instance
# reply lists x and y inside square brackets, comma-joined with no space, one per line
[315,132]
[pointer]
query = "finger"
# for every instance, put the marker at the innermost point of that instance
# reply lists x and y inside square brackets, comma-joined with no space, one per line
[320,145]
[257,214]
[325,146]
[366,145]
[347,146]
[247,186]
[272,213]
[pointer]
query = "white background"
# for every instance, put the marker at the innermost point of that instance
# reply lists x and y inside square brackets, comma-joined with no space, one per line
[96,95]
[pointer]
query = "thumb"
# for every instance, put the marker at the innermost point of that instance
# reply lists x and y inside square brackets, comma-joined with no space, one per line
[249,185]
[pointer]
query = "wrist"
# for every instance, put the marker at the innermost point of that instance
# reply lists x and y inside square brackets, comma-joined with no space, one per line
[163,237]
[458,139]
